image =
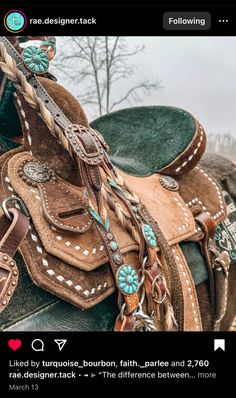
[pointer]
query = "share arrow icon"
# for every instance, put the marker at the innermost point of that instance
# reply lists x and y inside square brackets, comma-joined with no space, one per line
[60,343]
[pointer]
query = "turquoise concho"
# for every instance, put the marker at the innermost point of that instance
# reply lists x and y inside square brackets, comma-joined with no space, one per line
[149,235]
[127,279]
[35,59]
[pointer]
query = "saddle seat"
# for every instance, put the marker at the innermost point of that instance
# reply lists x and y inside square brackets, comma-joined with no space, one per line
[136,135]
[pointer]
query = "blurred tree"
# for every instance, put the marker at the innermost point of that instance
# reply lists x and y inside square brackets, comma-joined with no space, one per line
[98,63]
[222,144]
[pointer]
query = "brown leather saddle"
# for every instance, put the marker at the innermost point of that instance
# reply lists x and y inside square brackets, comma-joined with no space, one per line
[86,228]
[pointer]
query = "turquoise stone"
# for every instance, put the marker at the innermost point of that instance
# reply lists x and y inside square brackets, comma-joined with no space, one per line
[127,279]
[113,246]
[126,289]
[130,279]
[149,235]
[35,59]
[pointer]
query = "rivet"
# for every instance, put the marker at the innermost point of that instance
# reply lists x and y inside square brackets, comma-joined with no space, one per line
[9,292]
[5,257]
[13,283]
[4,302]
[15,273]
[117,258]
[12,263]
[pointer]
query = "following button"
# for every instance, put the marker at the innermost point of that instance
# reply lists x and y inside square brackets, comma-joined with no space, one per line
[187,20]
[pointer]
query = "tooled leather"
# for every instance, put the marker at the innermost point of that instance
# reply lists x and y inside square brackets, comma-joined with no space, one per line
[190,157]
[16,232]
[83,289]
[8,279]
[132,300]
[60,200]
[208,226]
[84,251]
[176,222]
[11,235]
[201,193]
[89,149]
[86,144]
[171,273]
[192,317]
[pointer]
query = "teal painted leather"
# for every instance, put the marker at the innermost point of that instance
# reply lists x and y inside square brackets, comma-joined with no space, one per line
[136,135]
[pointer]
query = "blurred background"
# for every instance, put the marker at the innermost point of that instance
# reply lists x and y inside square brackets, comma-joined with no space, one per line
[194,73]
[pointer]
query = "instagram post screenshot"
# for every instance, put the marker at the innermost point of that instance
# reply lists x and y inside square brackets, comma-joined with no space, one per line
[117,196]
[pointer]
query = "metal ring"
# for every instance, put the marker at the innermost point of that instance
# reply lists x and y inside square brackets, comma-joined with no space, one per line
[122,311]
[144,263]
[142,296]
[18,201]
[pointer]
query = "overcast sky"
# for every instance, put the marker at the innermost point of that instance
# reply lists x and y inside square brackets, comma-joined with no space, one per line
[198,74]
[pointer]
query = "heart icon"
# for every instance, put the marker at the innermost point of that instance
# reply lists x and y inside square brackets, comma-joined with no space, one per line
[15,344]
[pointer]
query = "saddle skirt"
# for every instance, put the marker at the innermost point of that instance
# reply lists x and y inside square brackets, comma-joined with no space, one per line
[94,229]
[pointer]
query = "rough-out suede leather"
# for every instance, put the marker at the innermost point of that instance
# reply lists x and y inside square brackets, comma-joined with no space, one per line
[73,265]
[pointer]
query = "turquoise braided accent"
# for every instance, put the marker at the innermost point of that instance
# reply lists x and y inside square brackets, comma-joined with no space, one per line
[98,218]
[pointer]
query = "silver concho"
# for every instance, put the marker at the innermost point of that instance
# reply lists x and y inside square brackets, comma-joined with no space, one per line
[34,172]
[169,183]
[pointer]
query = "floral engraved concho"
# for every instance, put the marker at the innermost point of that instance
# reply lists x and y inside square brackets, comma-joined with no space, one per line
[34,172]
[35,59]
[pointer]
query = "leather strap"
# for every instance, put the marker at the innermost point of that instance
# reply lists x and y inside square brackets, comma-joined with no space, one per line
[13,237]
[208,227]
[85,142]
[131,300]
[154,282]
[192,315]
[58,115]
[221,264]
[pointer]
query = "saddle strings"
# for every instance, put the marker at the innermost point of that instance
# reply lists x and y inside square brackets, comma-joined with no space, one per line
[126,222]
[9,67]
